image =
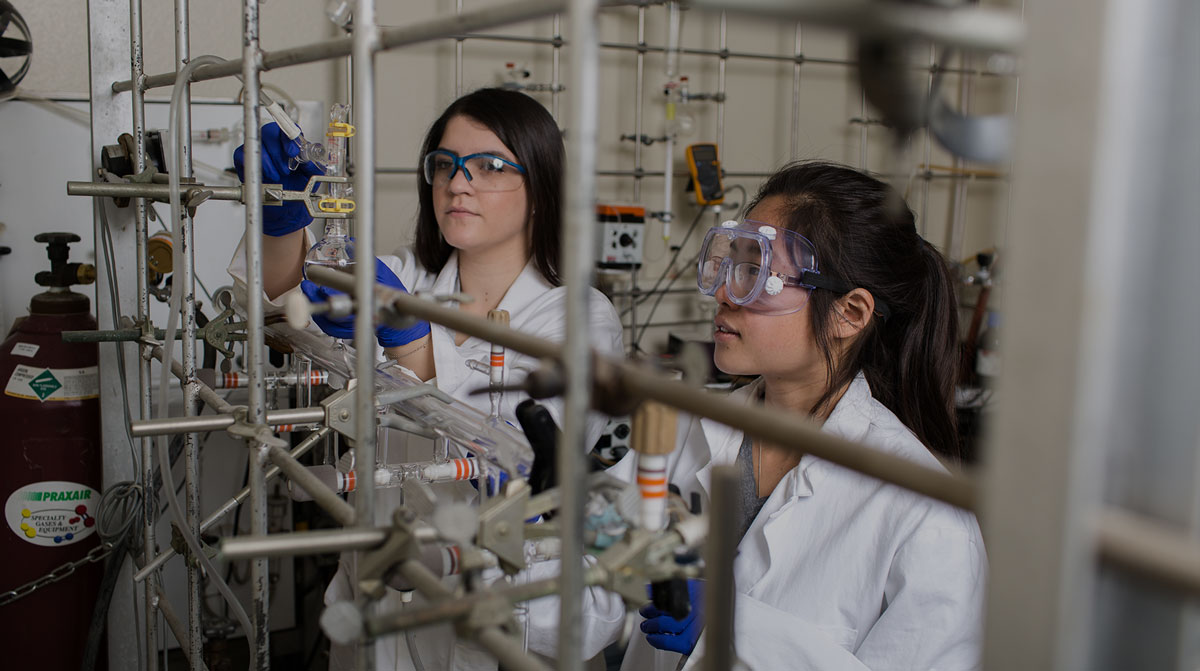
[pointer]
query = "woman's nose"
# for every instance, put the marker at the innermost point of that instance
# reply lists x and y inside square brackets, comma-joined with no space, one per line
[459,182]
[722,297]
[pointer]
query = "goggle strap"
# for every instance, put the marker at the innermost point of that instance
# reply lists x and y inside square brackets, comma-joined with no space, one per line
[819,281]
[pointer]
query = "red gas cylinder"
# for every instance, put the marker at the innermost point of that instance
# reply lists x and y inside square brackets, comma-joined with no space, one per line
[50,469]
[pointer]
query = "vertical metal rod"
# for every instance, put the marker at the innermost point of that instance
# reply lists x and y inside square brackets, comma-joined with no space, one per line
[958,216]
[927,152]
[578,252]
[862,132]
[555,79]
[796,95]
[187,277]
[365,45]
[138,73]
[638,118]
[637,106]
[256,404]
[721,592]
[721,83]
[458,56]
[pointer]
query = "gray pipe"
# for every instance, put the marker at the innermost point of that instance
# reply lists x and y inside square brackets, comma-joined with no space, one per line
[256,408]
[160,192]
[137,71]
[186,276]
[720,594]
[164,426]
[577,256]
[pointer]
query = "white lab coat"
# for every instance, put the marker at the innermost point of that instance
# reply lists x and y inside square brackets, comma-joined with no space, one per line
[838,570]
[535,308]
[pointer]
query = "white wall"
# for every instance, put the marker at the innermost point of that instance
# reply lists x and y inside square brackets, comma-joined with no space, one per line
[417,82]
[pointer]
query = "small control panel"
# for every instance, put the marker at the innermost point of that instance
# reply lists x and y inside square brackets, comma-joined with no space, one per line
[622,233]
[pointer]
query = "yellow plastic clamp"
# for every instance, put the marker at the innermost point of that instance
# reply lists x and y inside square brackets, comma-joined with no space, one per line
[335,205]
[339,129]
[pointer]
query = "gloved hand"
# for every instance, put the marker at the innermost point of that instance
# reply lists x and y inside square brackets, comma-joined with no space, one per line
[344,327]
[666,633]
[277,150]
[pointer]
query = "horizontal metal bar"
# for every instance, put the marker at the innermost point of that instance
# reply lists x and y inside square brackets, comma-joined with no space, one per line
[160,192]
[315,542]
[116,335]
[965,26]
[229,506]
[390,38]
[171,425]
[1150,549]
[718,53]
[302,543]
[632,382]
[299,475]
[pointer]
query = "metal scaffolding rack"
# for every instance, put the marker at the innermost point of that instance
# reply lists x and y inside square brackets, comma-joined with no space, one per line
[1052,578]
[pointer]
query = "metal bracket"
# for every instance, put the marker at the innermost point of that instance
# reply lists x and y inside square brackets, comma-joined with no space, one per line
[220,331]
[339,411]
[260,432]
[642,557]
[502,526]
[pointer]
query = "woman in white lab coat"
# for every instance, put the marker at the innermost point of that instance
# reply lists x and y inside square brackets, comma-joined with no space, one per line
[854,325]
[489,226]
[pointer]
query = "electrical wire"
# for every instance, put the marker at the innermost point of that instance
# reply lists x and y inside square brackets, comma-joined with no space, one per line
[106,245]
[654,291]
[193,543]
[675,257]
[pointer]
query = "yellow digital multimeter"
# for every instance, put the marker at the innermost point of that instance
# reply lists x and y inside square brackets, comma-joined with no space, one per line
[705,168]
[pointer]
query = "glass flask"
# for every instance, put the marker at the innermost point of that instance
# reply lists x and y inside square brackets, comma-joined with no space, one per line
[335,249]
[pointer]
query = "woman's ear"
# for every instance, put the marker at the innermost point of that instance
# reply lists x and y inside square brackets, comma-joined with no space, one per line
[854,311]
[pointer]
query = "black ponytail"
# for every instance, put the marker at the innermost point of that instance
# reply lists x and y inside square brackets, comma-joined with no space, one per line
[866,235]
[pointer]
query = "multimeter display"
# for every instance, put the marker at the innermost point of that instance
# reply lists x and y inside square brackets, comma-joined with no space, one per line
[706,173]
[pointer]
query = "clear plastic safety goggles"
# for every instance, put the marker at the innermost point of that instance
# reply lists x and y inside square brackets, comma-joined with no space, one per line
[485,172]
[763,268]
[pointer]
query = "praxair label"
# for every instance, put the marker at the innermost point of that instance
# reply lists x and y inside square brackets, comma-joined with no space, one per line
[54,384]
[52,513]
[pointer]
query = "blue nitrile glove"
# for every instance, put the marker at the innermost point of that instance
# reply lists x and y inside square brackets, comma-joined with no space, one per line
[344,327]
[666,633]
[277,150]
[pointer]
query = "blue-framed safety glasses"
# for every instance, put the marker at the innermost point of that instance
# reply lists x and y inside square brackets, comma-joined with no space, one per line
[485,172]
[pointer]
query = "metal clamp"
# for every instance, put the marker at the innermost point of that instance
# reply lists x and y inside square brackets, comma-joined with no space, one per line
[642,557]
[275,194]
[502,526]
[339,411]
[339,129]
[375,565]
[260,432]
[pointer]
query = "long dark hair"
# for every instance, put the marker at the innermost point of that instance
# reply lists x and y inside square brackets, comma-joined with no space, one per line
[530,133]
[866,235]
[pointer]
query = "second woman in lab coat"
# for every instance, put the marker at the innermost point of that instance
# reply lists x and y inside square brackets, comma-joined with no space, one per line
[851,322]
